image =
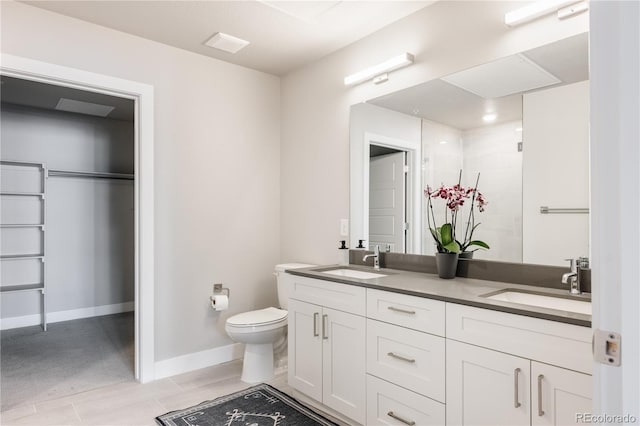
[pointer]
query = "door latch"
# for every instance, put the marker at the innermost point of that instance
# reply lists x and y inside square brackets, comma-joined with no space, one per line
[606,347]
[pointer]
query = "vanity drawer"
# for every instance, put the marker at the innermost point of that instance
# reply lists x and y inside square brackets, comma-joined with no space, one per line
[414,312]
[411,359]
[552,342]
[342,297]
[388,404]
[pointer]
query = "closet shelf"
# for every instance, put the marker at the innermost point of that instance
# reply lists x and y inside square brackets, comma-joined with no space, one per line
[21,287]
[24,194]
[90,175]
[22,225]
[22,256]
[22,163]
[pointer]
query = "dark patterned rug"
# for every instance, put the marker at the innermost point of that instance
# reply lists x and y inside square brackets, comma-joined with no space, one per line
[260,405]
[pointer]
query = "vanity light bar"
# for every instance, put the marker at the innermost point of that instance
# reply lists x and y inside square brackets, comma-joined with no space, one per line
[535,10]
[389,65]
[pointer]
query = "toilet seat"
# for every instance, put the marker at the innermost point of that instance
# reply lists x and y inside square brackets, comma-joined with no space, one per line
[259,320]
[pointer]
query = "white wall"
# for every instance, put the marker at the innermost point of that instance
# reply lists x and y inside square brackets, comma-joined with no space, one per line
[441,165]
[89,232]
[555,121]
[217,167]
[445,37]
[493,151]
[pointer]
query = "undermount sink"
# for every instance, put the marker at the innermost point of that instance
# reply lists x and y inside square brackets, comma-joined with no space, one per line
[542,301]
[353,273]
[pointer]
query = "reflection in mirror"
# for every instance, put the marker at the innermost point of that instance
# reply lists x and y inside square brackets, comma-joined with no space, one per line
[521,122]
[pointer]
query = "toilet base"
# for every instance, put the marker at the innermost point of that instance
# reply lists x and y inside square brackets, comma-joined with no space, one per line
[257,365]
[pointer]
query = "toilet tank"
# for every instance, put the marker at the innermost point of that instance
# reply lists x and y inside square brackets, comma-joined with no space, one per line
[282,288]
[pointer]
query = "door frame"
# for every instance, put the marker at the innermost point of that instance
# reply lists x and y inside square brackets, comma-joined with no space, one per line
[142,94]
[614,52]
[413,192]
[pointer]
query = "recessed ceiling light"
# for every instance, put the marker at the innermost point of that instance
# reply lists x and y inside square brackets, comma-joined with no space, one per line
[71,105]
[226,43]
[488,118]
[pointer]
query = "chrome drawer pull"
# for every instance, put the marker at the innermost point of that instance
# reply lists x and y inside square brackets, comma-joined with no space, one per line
[316,333]
[411,360]
[516,403]
[325,326]
[404,311]
[400,419]
[540,410]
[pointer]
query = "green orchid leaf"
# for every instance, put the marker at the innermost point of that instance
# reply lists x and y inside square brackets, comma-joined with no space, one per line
[452,247]
[446,234]
[479,243]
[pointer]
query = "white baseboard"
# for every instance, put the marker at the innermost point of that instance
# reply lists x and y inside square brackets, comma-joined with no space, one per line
[195,361]
[93,311]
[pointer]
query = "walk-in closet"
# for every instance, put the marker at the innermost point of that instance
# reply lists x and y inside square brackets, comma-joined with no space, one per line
[67,241]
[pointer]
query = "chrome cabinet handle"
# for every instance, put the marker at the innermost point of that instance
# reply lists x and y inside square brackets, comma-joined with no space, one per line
[516,403]
[400,419]
[325,336]
[540,410]
[411,360]
[404,311]
[316,333]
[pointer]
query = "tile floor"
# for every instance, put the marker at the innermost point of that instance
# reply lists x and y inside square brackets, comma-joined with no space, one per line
[131,403]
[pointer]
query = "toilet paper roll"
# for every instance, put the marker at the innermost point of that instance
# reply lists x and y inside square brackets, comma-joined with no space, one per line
[219,302]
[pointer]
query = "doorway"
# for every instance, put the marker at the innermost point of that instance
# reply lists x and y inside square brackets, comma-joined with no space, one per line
[388,199]
[142,96]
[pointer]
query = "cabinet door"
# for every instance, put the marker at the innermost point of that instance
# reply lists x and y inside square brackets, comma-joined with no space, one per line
[486,387]
[559,396]
[305,348]
[343,351]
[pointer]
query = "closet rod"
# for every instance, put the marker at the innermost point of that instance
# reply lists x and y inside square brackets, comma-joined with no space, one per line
[92,175]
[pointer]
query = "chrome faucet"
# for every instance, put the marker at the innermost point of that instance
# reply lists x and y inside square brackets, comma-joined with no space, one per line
[573,277]
[376,257]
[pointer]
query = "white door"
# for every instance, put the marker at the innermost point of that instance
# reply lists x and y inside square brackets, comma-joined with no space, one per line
[343,367]
[387,202]
[559,396]
[486,387]
[305,348]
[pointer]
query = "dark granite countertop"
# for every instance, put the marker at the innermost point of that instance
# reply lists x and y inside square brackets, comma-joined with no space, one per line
[464,291]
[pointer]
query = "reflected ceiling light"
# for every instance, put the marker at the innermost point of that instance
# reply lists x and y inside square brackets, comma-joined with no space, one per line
[535,10]
[389,65]
[518,129]
[489,117]
[443,142]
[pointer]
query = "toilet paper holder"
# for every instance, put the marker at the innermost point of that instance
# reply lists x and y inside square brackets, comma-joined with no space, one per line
[218,289]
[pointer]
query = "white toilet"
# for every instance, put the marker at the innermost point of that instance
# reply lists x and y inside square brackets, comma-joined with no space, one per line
[259,330]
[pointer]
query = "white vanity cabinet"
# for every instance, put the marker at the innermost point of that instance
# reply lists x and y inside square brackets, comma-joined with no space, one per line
[486,387]
[327,344]
[558,395]
[405,367]
[499,372]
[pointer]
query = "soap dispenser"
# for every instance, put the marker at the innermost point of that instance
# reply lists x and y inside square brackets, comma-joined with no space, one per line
[343,253]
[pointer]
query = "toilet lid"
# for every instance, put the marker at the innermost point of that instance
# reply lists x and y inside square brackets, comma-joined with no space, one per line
[259,317]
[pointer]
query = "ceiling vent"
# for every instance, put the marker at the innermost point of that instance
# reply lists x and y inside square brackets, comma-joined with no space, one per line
[506,76]
[80,107]
[227,43]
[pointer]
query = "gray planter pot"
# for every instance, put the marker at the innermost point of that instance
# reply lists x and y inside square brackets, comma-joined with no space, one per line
[447,264]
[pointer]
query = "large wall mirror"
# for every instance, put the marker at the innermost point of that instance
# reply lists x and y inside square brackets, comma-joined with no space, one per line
[520,123]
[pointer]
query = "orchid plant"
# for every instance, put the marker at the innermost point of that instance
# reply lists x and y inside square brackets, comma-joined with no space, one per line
[455,196]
